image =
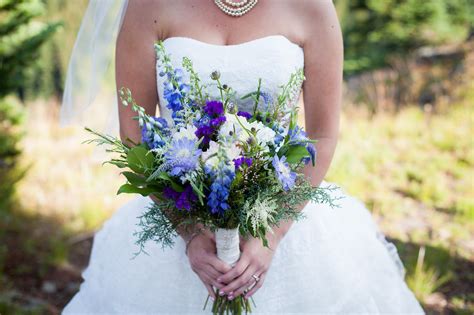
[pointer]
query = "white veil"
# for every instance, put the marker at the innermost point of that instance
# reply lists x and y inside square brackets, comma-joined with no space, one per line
[88,80]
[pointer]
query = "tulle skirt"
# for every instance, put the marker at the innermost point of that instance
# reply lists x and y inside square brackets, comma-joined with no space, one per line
[335,261]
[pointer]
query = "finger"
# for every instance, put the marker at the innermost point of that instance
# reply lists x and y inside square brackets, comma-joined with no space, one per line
[236,287]
[235,272]
[257,286]
[212,275]
[249,285]
[219,265]
[208,286]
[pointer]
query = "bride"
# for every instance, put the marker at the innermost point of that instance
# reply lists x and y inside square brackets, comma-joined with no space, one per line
[335,261]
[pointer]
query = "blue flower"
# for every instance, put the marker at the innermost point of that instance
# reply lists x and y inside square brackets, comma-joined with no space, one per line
[182,157]
[267,98]
[284,174]
[222,177]
[153,138]
[312,152]
[297,136]
[174,91]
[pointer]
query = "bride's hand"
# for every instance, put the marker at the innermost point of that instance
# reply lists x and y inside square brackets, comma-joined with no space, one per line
[255,260]
[204,262]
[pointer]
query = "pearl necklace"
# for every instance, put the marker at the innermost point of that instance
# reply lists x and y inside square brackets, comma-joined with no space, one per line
[235,8]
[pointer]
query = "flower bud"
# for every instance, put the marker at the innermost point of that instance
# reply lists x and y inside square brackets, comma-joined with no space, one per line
[215,75]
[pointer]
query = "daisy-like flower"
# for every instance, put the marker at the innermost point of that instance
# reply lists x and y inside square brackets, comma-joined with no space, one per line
[182,157]
[284,174]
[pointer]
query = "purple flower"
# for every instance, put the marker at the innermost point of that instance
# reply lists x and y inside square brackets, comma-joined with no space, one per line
[204,132]
[182,157]
[214,108]
[216,122]
[184,199]
[238,162]
[284,174]
[246,115]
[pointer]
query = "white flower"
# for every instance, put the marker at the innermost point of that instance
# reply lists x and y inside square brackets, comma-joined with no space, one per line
[210,155]
[260,214]
[212,150]
[264,134]
[232,129]
[233,151]
[186,132]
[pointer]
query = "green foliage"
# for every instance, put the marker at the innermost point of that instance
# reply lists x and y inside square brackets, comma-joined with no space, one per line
[425,280]
[20,40]
[11,117]
[374,30]
[46,76]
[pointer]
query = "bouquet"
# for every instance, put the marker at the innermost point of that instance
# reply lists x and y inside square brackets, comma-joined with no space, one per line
[232,171]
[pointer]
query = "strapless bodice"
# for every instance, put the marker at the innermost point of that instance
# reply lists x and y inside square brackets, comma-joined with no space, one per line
[272,58]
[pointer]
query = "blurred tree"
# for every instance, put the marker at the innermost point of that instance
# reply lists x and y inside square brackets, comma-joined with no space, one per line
[46,77]
[20,40]
[374,30]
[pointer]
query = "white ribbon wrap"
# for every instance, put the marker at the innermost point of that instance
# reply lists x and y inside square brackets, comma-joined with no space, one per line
[227,244]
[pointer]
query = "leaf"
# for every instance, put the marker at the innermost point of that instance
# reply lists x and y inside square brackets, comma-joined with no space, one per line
[135,179]
[139,159]
[248,95]
[198,191]
[295,153]
[165,176]
[130,189]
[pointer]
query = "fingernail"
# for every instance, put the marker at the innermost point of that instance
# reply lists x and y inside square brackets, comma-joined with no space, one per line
[219,279]
[212,298]
[221,293]
[230,297]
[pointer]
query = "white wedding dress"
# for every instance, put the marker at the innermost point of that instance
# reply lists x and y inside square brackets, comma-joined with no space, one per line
[335,261]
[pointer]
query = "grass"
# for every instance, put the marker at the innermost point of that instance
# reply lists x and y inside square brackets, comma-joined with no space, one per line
[413,169]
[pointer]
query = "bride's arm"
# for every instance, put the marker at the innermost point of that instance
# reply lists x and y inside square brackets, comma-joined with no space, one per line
[135,70]
[322,89]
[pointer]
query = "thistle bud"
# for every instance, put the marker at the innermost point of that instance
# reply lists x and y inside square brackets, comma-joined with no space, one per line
[215,75]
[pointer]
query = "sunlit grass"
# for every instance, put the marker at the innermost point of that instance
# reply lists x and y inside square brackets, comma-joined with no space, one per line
[414,170]
[66,179]
[425,280]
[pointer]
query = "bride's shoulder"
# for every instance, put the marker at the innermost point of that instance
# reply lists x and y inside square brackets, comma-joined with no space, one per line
[312,8]
[317,18]
[142,16]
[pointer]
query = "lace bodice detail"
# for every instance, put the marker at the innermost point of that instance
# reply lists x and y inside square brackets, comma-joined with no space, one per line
[272,58]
